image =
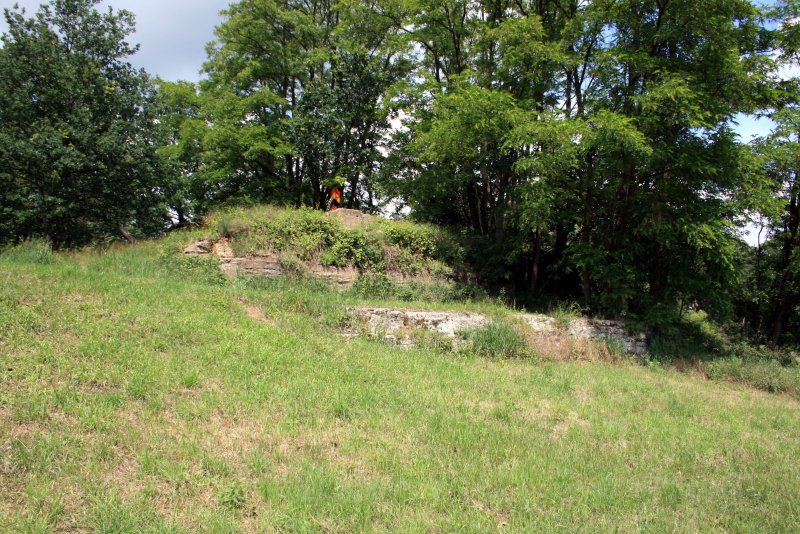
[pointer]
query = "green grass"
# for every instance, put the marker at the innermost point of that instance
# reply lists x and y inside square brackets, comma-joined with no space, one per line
[378,245]
[137,398]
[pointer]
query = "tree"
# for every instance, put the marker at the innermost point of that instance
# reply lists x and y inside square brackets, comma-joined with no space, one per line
[77,147]
[619,115]
[294,100]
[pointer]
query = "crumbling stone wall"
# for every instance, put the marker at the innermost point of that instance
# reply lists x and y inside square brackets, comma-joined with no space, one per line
[396,324]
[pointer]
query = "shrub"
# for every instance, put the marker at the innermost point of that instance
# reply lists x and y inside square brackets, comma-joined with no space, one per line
[292,264]
[416,238]
[204,270]
[767,375]
[408,263]
[289,228]
[424,240]
[439,269]
[374,286]
[358,248]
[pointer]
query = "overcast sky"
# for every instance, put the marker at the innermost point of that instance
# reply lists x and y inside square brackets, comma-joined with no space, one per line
[172,33]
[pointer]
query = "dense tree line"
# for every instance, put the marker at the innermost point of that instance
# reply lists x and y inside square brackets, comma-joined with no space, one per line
[586,147]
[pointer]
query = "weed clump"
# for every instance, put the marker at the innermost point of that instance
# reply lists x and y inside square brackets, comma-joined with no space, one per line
[496,340]
[37,251]
[232,497]
[204,270]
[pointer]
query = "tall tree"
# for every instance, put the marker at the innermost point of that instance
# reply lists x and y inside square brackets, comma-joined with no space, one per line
[295,101]
[617,112]
[77,151]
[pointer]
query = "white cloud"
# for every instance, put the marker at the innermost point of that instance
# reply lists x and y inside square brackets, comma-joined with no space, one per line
[172,33]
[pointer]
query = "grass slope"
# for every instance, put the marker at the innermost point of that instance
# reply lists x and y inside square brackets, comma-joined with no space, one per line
[134,398]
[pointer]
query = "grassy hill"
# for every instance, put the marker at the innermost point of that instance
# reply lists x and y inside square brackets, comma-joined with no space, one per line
[424,257]
[140,391]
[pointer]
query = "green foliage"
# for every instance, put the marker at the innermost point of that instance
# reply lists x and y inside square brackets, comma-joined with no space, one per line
[203,269]
[762,373]
[292,264]
[378,286]
[692,335]
[77,128]
[293,103]
[359,249]
[31,251]
[565,312]
[596,163]
[418,239]
[496,340]
[309,235]
[232,497]
[425,240]
[430,340]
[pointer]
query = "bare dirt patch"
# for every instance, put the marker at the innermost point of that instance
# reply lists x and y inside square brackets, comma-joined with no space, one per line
[499,516]
[256,313]
[564,424]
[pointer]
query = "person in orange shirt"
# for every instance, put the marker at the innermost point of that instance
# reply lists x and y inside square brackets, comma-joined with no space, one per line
[335,198]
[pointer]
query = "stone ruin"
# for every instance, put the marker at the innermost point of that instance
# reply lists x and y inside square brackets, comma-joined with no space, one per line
[269,264]
[398,325]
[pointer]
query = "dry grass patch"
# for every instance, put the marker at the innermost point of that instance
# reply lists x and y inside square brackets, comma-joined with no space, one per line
[256,313]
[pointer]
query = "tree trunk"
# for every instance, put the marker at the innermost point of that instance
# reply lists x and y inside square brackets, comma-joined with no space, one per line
[586,233]
[784,299]
[126,234]
[535,264]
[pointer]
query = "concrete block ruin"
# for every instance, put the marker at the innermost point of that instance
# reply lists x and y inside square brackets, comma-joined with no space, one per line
[398,325]
[586,328]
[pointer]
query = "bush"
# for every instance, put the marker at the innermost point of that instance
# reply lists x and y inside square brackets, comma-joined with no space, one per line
[416,238]
[374,286]
[291,264]
[424,240]
[496,340]
[767,375]
[355,247]
[204,270]
[38,251]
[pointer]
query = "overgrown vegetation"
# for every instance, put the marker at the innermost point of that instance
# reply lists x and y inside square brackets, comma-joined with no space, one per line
[687,339]
[376,247]
[135,397]
[496,340]
[586,151]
